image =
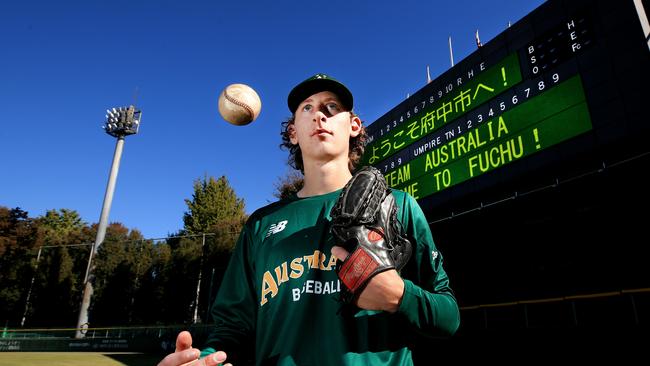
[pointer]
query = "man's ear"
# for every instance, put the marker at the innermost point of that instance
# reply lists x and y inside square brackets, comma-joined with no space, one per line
[292,134]
[355,126]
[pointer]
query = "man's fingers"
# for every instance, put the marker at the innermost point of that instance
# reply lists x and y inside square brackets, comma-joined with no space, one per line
[210,360]
[214,359]
[339,253]
[218,356]
[183,341]
[180,358]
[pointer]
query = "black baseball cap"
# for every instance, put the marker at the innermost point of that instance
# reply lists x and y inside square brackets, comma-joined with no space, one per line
[317,84]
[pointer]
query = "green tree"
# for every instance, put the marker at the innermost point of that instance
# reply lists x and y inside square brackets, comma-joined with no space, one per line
[60,227]
[130,272]
[121,263]
[17,242]
[59,279]
[150,306]
[216,211]
[212,203]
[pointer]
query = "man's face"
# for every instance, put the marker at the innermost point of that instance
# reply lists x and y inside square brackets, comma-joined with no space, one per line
[323,128]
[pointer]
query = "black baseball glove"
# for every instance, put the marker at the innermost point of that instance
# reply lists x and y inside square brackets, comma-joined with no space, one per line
[364,222]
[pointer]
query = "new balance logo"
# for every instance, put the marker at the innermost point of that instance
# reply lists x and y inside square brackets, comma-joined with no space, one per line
[276,228]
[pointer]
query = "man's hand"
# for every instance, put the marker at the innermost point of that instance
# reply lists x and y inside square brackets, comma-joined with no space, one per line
[185,355]
[384,291]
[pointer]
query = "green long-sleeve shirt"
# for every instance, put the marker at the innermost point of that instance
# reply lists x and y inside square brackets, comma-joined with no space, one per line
[280,292]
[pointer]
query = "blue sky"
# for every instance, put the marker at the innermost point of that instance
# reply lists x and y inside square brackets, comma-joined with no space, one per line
[63,63]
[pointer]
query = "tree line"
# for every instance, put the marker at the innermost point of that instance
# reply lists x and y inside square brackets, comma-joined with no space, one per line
[138,281]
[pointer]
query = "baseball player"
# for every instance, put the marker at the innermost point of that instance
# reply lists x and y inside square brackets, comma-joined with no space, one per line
[281,297]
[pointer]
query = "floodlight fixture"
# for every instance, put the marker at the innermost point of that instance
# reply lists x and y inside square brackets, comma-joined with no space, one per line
[123,121]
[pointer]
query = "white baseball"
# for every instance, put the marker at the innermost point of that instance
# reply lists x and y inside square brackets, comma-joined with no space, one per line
[239,104]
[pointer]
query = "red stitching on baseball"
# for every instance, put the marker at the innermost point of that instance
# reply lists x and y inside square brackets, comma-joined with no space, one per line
[239,103]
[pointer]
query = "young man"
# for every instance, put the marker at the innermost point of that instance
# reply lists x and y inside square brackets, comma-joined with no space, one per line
[280,293]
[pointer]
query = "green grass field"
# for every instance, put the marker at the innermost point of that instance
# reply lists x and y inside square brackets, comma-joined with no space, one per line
[77,359]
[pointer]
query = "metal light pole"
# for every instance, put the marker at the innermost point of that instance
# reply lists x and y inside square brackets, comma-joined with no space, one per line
[120,123]
[207,312]
[195,318]
[31,285]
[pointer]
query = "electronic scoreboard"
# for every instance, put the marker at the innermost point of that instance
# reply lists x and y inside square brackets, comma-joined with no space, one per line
[562,90]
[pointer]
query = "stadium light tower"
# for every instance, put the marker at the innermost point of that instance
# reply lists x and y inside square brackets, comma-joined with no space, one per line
[120,122]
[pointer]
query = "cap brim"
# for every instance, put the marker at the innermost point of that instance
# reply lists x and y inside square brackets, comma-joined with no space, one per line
[310,87]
